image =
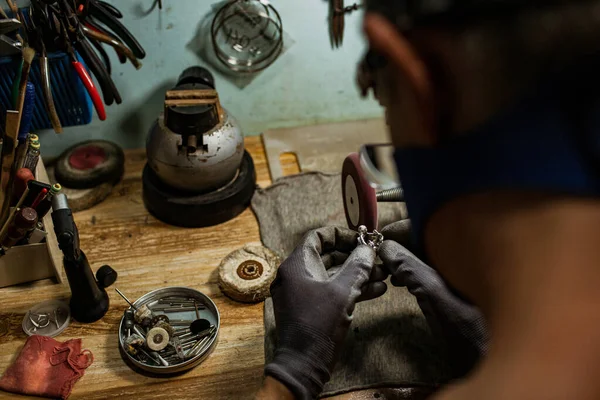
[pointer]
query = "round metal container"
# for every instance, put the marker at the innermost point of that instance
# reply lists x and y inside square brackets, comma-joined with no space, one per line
[209,312]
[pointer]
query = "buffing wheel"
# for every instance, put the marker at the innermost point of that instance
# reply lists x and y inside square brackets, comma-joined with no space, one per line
[246,274]
[90,164]
[200,210]
[157,339]
[360,201]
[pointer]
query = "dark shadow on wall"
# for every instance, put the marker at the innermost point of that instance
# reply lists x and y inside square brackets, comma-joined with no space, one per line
[136,123]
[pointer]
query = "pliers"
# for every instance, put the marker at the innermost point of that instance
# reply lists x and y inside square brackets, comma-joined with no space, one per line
[39,17]
[337,13]
[8,46]
[81,44]
[85,77]
[109,16]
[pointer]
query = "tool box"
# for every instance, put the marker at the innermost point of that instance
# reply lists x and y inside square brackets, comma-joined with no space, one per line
[73,104]
[33,262]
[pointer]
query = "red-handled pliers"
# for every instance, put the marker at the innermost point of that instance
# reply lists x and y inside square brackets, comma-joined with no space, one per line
[87,81]
[85,77]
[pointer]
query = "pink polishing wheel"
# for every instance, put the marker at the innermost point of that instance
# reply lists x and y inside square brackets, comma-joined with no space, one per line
[360,201]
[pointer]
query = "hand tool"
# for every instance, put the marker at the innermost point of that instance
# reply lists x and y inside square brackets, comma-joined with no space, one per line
[202,344]
[338,12]
[8,46]
[90,23]
[118,46]
[111,9]
[137,330]
[45,204]
[89,300]
[36,236]
[9,146]
[72,31]
[34,188]
[27,114]
[199,324]
[103,54]
[129,320]
[100,12]
[86,79]
[24,222]
[26,118]
[22,177]
[32,156]
[39,20]
[126,299]
[39,198]
[157,339]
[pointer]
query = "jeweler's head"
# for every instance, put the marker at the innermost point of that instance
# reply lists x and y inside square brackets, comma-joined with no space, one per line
[447,66]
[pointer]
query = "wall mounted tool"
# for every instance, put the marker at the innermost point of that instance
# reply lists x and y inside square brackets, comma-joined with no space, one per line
[337,17]
[198,173]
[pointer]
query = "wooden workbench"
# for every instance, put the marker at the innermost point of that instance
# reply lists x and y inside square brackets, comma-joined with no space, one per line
[149,255]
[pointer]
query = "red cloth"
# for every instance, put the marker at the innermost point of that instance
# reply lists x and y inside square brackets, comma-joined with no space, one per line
[47,368]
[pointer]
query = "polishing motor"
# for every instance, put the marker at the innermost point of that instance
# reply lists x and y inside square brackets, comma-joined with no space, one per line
[198,173]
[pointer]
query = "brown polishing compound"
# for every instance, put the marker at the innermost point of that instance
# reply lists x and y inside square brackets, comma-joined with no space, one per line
[246,274]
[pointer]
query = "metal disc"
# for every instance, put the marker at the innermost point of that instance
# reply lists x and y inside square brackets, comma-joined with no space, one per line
[360,201]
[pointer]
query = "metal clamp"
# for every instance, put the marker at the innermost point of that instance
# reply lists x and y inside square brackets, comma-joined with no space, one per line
[371,239]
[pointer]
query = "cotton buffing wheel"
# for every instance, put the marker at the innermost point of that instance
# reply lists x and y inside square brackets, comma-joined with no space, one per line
[246,274]
[157,339]
[360,201]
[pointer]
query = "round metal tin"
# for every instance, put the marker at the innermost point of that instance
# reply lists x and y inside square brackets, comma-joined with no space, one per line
[207,309]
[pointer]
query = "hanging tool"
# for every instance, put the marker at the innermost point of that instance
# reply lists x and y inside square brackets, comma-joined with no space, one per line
[26,118]
[39,18]
[103,14]
[92,25]
[9,145]
[71,25]
[86,79]
[119,47]
[337,15]
[8,46]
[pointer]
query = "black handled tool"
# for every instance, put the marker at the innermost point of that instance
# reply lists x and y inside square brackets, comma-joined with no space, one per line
[89,300]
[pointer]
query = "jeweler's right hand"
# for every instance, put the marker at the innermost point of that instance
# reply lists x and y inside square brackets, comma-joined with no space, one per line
[314,295]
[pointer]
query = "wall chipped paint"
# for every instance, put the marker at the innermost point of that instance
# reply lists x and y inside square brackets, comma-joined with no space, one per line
[310,83]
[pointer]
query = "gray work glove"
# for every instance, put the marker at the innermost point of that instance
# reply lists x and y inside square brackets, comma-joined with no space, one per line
[459,324]
[314,295]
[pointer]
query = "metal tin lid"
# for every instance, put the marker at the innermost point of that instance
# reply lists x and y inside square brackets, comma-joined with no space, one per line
[49,318]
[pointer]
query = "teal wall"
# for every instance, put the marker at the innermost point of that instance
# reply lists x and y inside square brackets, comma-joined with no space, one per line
[310,83]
